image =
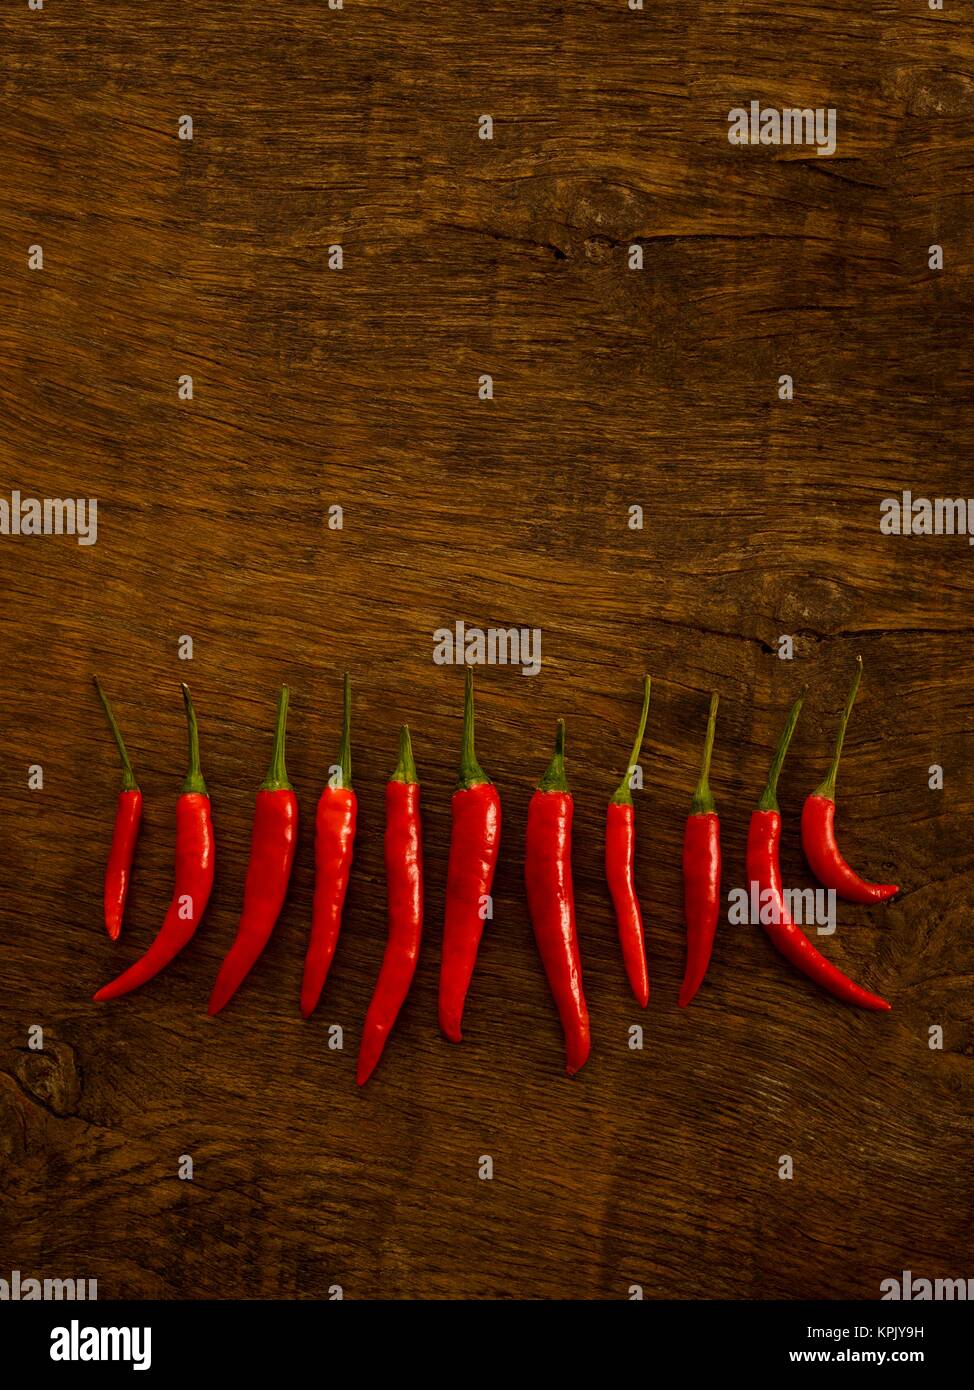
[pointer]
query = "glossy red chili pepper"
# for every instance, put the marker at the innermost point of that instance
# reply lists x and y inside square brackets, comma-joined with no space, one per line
[334,844]
[818,829]
[128,818]
[272,844]
[551,902]
[193,877]
[620,845]
[763,868]
[701,871]
[474,842]
[404,881]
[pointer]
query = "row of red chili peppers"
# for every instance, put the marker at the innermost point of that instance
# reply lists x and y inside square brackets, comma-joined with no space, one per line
[474,845]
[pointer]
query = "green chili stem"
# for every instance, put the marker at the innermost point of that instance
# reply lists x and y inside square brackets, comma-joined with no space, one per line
[769,800]
[554,779]
[345,752]
[703,803]
[276,779]
[194,778]
[406,767]
[129,784]
[471,773]
[622,796]
[827,788]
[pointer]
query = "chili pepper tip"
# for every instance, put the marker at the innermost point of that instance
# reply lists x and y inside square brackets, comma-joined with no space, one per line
[622,796]
[703,801]
[827,787]
[405,769]
[276,779]
[345,752]
[194,778]
[471,773]
[769,797]
[129,784]
[554,779]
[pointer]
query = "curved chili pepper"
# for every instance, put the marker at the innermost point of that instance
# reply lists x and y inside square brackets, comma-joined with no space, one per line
[334,843]
[128,818]
[193,877]
[551,902]
[474,842]
[404,879]
[818,828]
[763,868]
[701,871]
[620,845]
[272,844]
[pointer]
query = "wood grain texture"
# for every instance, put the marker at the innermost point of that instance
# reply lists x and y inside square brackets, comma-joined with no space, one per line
[314,387]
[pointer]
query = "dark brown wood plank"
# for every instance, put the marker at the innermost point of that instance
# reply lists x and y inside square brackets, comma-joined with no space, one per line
[612,387]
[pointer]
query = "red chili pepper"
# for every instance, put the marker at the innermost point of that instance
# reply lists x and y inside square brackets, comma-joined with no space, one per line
[128,818]
[551,902]
[763,868]
[701,871]
[620,845]
[193,877]
[334,843]
[404,879]
[818,829]
[474,843]
[272,844]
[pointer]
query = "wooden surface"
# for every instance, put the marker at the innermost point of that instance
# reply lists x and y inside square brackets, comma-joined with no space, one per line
[359,388]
